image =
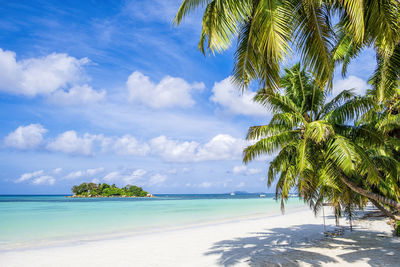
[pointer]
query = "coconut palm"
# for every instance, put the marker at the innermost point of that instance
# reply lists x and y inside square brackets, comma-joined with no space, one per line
[385,117]
[268,30]
[381,31]
[316,151]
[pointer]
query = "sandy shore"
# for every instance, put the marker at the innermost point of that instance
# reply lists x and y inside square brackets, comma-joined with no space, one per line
[294,239]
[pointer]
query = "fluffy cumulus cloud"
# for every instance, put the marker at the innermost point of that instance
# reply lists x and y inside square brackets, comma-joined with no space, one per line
[169,92]
[76,95]
[42,75]
[129,145]
[352,82]
[244,170]
[45,179]
[232,100]
[173,150]
[27,176]
[70,143]
[26,137]
[36,178]
[220,147]
[74,175]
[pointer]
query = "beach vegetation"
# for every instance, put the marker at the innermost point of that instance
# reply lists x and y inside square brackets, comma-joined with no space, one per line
[343,150]
[322,33]
[329,150]
[106,190]
[397,228]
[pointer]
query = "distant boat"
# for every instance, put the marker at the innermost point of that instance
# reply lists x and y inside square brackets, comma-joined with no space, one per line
[262,195]
[233,193]
[293,195]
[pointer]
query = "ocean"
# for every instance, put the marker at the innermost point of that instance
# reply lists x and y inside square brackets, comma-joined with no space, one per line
[39,220]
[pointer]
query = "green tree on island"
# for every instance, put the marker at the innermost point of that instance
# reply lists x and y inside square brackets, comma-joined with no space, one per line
[106,190]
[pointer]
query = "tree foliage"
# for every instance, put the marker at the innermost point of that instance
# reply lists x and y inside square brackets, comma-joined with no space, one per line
[106,190]
[268,30]
[327,150]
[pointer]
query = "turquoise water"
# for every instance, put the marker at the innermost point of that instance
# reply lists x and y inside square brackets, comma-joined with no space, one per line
[32,219]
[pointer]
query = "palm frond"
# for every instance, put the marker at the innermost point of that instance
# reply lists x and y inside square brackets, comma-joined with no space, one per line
[269,145]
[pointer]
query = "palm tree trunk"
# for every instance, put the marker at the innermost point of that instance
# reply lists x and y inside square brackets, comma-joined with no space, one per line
[370,195]
[384,210]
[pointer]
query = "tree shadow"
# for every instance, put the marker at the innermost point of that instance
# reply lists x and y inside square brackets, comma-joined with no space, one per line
[293,247]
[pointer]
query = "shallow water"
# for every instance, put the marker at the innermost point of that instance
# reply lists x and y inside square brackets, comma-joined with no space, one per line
[28,219]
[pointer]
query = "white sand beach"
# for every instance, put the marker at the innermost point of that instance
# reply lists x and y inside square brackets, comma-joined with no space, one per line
[293,239]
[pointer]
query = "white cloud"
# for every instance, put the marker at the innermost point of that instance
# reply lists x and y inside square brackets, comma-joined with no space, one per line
[26,137]
[84,173]
[128,145]
[74,175]
[42,75]
[220,147]
[78,94]
[57,170]
[139,172]
[230,98]
[134,176]
[27,176]
[173,150]
[239,169]
[242,169]
[157,179]
[69,142]
[169,92]
[112,176]
[36,178]
[126,178]
[94,171]
[45,179]
[352,82]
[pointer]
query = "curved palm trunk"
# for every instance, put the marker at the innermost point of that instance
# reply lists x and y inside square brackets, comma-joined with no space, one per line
[370,195]
[384,210]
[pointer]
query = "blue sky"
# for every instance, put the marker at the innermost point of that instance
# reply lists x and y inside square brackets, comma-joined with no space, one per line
[110,91]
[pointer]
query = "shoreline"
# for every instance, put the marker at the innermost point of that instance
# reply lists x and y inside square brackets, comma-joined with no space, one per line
[140,231]
[293,239]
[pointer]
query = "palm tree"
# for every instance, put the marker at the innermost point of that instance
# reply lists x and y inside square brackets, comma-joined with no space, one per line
[268,30]
[385,117]
[381,30]
[316,151]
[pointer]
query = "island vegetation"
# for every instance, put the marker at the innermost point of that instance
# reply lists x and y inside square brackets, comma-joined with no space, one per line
[106,190]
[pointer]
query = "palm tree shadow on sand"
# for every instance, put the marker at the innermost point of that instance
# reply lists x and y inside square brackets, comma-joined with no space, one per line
[293,247]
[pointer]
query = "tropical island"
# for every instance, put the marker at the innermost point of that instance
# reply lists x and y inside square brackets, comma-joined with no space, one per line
[106,190]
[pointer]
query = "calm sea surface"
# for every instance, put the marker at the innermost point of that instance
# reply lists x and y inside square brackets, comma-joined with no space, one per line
[35,219]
